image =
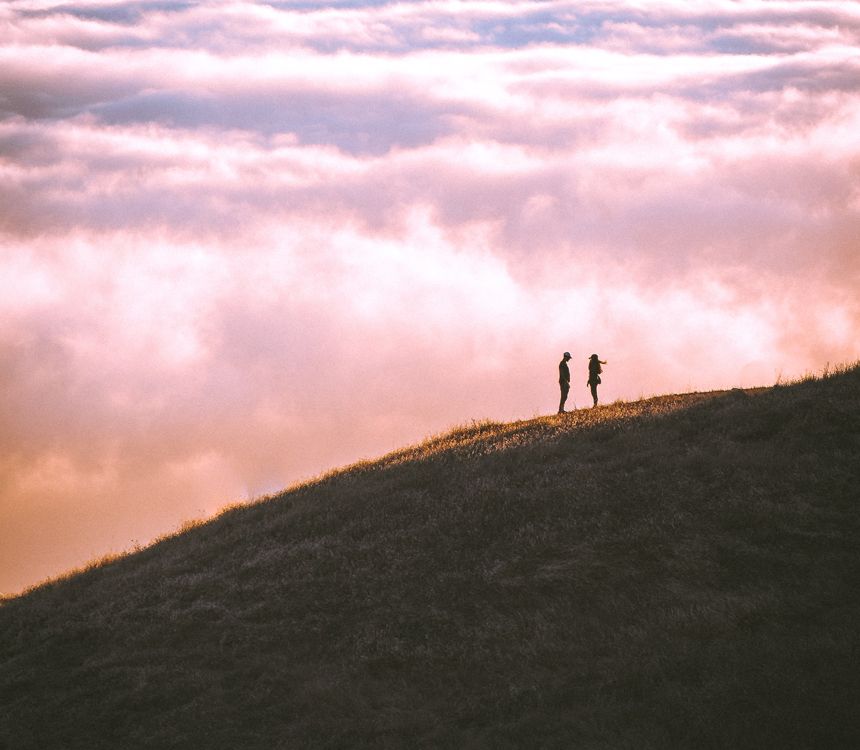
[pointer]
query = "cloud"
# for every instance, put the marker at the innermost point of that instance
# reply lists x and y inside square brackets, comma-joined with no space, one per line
[241,244]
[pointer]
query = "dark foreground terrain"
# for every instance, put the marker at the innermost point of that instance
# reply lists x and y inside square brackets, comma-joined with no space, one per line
[679,572]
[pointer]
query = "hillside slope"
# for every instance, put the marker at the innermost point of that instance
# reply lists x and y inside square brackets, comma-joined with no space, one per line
[682,571]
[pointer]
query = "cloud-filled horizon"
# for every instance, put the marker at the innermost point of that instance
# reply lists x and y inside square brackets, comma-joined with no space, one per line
[244,243]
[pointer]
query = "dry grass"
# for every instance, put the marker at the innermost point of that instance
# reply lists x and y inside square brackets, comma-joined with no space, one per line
[680,571]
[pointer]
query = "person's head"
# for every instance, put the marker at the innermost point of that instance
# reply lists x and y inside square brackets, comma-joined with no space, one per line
[567,355]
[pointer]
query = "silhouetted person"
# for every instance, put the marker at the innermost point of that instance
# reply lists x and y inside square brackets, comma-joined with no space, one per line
[594,370]
[563,381]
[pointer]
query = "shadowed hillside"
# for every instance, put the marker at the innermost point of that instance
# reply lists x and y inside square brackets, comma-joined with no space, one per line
[679,572]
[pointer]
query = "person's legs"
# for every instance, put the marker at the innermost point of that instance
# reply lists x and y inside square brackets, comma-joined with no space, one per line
[594,392]
[565,389]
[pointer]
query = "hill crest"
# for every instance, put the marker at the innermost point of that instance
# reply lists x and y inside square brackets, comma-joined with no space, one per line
[678,571]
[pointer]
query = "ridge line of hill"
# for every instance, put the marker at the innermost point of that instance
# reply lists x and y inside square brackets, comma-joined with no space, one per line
[677,572]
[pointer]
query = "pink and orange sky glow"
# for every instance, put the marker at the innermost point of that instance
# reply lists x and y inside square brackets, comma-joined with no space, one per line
[244,243]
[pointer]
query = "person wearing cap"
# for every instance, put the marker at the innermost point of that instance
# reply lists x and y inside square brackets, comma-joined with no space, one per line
[594,370]
[563,381]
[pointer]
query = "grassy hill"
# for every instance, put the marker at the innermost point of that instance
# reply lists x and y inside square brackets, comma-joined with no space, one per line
[679,572]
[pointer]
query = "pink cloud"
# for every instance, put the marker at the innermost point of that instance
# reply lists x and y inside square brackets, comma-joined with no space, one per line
[226,228]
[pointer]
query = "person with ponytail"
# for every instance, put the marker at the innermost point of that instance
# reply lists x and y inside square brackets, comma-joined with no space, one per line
[594,370]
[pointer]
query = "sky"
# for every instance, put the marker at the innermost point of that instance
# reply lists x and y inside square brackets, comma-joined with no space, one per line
[242,244]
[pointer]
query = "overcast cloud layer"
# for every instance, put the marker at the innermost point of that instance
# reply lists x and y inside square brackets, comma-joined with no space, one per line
[244,243]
